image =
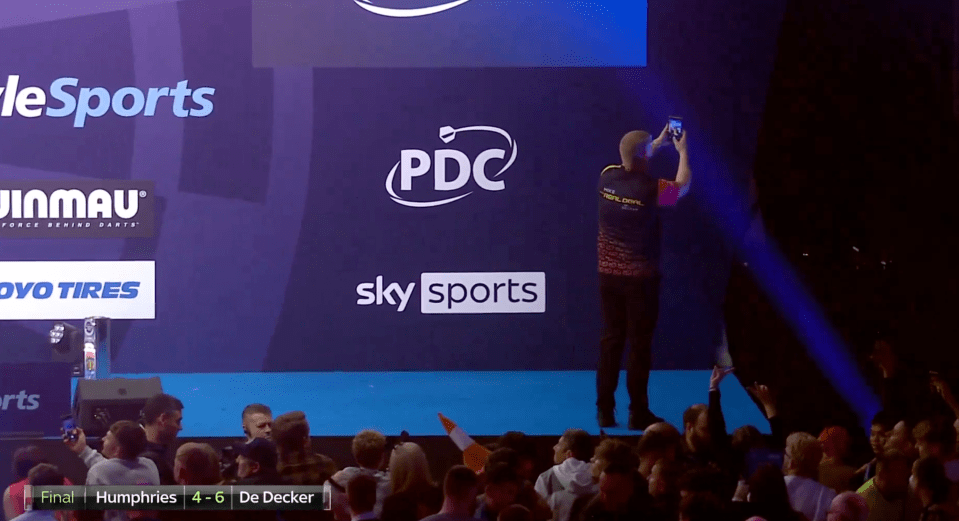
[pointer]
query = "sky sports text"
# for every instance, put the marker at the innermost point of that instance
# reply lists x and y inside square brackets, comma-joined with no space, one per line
[94,102]
[69,290]
[462,293]
[33,401]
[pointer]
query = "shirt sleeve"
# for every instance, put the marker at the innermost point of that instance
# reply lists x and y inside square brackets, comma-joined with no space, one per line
[669,193]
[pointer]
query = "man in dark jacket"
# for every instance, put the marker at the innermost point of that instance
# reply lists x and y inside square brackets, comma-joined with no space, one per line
[256,463]
[623,495]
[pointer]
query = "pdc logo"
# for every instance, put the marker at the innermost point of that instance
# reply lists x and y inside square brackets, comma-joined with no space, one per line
[444,186]
[408,12]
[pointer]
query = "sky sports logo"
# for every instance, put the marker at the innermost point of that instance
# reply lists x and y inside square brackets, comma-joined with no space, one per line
[461,293]
[70,99]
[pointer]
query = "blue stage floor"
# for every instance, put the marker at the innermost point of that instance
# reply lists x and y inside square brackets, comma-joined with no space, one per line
[482,403]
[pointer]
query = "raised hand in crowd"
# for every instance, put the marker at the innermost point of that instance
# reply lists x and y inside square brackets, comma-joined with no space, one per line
[941,388]
[884,358]
[719,373]
[765,397]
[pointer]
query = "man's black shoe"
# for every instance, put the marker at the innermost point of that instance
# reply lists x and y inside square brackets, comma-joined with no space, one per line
[640,421]
[606,418]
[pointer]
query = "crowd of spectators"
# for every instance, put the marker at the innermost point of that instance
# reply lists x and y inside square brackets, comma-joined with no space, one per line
[694,472]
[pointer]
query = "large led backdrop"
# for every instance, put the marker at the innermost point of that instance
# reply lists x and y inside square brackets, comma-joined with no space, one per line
[352,185]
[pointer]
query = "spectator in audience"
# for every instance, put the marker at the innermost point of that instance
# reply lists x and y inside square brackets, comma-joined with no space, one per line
[882,424]
[414,495]
[502,489]
[766,497]
[515,513]
[701,507]
[612,450]
[932,490]
[125,440]
[257,421]
[801,466]
[936,437]
[525,449]
[24,459]
[848,506]
[44,475]
[623,495]
[571,477]
[653,447]
[664,488]
[527,495]
[460,488]
[833,470]
[887,494]
[256,463]
[361,492]
[900,439]
[162,419]
[197,464]
[297,462]
[369,451]
[703,480]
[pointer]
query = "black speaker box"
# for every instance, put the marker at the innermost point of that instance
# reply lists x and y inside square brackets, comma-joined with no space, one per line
[99,403]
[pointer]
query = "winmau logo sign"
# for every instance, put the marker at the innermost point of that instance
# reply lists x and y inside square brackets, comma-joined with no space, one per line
[414,164]
[407,12]
[76,209]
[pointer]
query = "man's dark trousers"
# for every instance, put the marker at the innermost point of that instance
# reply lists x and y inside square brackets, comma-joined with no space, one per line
[630,310]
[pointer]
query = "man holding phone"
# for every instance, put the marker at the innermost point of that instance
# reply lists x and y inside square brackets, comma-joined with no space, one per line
[628,248]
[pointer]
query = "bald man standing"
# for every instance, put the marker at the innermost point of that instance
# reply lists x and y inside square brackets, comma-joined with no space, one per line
[629,276]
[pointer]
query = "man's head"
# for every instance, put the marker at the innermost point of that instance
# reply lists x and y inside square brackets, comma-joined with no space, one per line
[696,427]
[634,150]
[369,448]
[653,447]
[892,474]
[848,506]
[125,440]
[616,486]
[25,458]
[502,486]
[835,442]
[612,451]
[882,423]
[574,443]
[525,448]
[664,478]
[162,418]
[257,421]
[665,428]
[361,494]
[935,437]
[255,458]
[900,439]
[45,475]
[700,507]
[197,464]
[803,455]
[460,488]
[291,433]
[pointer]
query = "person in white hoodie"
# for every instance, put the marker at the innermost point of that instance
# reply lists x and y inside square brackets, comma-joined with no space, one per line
[571,477]
[801,469]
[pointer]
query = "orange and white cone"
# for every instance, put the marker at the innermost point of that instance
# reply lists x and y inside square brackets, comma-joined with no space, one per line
[474,454]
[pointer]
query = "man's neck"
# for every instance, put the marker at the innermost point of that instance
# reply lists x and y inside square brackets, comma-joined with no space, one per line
[153,435]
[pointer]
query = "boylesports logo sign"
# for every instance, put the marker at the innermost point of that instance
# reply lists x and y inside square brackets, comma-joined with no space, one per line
[77,290]
[461,293]
[67,98]
[65,209]
[425,178]
[390,8]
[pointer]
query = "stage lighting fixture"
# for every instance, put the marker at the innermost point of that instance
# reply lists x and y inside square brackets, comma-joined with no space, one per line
[96,347]
[66,342]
